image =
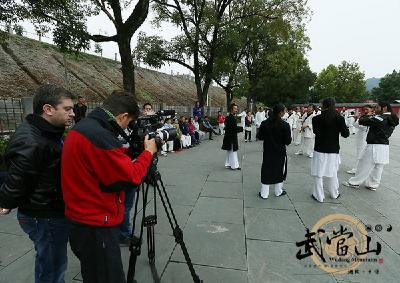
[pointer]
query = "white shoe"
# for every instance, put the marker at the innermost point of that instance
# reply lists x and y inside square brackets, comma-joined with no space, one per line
[352,171]
[347,184]
[370,188]
[299,153]
[310,156]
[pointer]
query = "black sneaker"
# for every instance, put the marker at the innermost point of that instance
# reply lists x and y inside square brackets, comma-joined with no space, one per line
[282,194]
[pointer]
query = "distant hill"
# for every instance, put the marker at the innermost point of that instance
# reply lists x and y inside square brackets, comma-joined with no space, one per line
[25,64]
[371,83]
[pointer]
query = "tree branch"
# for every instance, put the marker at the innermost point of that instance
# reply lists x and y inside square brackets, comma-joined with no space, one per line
[179,62]
[116,7]
[104,9]
[103,38]
[138,16]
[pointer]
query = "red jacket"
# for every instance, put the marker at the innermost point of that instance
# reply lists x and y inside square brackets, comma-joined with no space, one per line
[95,172]
[220,119]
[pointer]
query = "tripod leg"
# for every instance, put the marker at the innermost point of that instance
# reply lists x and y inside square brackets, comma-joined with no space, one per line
[151,245]
[177,231]
[136,243]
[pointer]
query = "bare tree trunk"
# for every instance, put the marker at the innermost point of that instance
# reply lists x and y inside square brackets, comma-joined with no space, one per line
[128,71]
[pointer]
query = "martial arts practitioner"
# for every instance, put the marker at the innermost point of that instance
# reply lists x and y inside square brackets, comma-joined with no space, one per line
[325,162]
[361,136]
[350,120]
[230,143]
[376,154]
[260,116]
[292,121]
[276,136]
[297,130]
[307,132]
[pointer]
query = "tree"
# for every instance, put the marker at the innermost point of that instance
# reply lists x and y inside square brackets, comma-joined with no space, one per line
[345,83]
[389,88]
[18,29]
[201,22]
[98,49]
[70,31]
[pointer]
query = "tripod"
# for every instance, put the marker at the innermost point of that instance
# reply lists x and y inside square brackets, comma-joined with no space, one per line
[153,178]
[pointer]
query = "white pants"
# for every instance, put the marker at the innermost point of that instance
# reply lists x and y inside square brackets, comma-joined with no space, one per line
[168,146]
[368,171]
[265,190]
[308,146]
[333,186]
[221,128]
[231,159]
[186,140]
[296,136]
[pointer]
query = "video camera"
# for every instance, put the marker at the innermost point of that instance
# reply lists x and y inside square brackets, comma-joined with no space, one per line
[150,125]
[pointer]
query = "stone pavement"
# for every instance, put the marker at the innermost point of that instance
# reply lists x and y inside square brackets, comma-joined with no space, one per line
[232,235]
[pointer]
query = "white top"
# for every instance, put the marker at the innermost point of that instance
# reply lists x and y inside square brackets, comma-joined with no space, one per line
[242,117]
[307,121]
[260,116]
[324,164]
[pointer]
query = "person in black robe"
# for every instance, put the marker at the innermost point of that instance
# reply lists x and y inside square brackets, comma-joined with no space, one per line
[276,135]
[230,143]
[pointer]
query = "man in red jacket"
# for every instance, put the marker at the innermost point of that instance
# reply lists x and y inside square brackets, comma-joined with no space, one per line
[96,172]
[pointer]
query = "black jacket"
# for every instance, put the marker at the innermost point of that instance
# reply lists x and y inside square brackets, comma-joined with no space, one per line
[327,128]
[381,127]
[33,161]
[231,130]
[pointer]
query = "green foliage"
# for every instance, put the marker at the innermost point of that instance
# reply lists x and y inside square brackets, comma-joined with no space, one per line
[18,29]
[98,49]
[345,83]
[389,88]
[3,145]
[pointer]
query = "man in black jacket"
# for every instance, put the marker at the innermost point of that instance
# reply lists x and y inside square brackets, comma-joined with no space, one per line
[325,162]
[230,142]
[33,183]
[376,154]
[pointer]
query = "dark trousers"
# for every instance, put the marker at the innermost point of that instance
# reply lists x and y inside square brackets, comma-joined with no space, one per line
[97,248]
[247,133]
[50,237]
[126,226]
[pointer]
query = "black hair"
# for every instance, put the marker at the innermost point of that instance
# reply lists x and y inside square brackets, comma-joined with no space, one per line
[385,104]
[49,94]
[328,106]
[80,96]
[231,106]
[121,102]
[276,110]
[147,103]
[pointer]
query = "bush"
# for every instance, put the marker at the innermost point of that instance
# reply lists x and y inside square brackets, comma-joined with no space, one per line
[3,145]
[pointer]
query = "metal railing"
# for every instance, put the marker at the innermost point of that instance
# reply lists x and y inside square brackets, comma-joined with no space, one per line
[12,112]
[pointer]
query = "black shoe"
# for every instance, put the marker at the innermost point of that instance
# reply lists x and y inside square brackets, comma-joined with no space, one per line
[236,168]
[211,139]
[282,194]
[338,196]
[315,198]
[259,194]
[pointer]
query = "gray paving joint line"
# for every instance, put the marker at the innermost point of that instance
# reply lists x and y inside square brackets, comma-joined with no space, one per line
[207,265]
[271,241]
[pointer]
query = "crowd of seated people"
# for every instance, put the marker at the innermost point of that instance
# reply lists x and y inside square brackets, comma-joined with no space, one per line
[189,133]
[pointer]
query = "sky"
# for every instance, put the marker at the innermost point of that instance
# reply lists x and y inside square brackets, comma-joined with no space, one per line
[360,31]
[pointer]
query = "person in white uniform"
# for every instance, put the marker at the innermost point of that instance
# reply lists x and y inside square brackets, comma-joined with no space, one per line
[307,132]
[361,137]
[297,130]
[376,154]
[350,120]
[260,116]
[326,159]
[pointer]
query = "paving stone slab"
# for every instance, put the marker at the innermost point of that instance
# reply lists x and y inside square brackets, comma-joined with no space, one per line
[9,224]
[13,247]
[217,210]
[222,190]
[219,245]
[277,262]
[273,225]
[227,175]
[179,272]
[252,199]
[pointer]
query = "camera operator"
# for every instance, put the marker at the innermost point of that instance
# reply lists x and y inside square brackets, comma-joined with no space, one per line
[96,172]
[33,184]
